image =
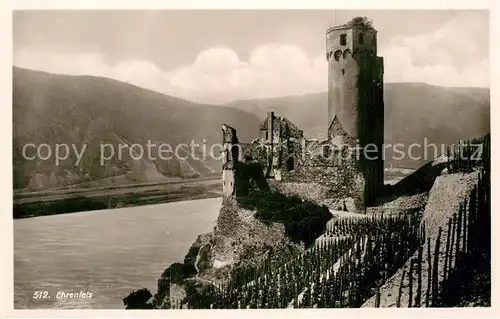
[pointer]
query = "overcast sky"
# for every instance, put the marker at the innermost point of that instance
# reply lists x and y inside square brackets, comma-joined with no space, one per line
[217,56]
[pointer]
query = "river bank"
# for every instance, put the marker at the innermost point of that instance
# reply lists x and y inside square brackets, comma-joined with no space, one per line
[47,203]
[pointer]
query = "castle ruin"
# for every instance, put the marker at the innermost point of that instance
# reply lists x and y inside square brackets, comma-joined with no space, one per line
[350,161]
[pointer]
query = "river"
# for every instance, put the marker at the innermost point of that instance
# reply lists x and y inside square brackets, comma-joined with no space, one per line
[108,253]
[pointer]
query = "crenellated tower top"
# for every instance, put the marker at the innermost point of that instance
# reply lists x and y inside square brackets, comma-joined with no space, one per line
[356,36]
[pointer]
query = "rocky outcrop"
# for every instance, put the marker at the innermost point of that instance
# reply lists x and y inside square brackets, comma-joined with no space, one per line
[239,239]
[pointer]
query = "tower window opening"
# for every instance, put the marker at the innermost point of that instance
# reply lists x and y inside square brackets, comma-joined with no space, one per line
[337,55]
[343,71]
[361,38]
[343,39]
[327,150]
[290,164]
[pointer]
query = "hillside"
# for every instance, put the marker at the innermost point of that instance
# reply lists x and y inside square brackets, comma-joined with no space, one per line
[413,112]
[51,109]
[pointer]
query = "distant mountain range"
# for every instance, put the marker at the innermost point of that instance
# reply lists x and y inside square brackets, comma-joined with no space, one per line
[51,108]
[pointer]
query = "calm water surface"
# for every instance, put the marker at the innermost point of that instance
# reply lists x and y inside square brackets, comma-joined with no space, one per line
[109,253]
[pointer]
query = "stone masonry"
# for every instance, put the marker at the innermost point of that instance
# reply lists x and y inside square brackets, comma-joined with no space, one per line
[349,163]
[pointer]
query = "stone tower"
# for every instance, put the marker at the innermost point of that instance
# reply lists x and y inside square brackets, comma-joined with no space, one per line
[355,99]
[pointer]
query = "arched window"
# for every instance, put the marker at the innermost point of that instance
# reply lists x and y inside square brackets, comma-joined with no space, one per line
[337,55]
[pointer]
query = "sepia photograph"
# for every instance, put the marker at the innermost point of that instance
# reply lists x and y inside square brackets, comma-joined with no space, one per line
[251,159]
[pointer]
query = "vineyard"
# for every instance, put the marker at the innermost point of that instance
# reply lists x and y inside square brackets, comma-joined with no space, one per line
[341,270]
[355,256]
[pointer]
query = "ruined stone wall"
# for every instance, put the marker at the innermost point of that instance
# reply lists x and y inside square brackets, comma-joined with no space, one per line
[275,149]
[253,151]
[332,167]
[317,163]
[242,166]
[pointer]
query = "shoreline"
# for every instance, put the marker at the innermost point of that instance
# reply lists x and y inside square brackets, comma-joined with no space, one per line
[118,198]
